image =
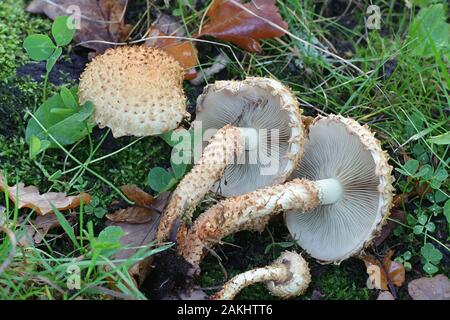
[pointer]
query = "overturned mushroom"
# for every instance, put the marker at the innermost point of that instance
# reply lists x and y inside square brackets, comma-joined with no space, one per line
[266,107]
[287,277]
[260,119]
[135,90]
[332,217]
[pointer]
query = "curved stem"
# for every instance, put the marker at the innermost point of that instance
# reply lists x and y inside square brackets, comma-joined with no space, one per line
[221,150]
[250,211]
[277,273]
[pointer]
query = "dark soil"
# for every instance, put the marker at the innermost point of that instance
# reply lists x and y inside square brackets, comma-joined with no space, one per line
[170,274]
[64,70]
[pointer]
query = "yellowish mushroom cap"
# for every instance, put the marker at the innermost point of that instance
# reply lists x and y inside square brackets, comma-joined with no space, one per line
[135,90]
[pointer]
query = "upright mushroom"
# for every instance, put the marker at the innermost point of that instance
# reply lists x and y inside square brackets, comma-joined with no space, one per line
[332,217]
[287,277]
[232,159]
[135,90]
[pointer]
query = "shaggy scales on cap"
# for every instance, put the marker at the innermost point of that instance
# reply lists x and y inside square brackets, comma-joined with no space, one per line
[135,90]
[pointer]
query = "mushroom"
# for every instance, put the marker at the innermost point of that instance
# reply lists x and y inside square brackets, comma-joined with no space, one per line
[135,90]
[240,110]
[258,104]
[287,277]
[332,217]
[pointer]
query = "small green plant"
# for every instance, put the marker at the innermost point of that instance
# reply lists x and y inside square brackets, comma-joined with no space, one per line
[404,260]
[431,258]
[61,116]
[429,28]
[160,179]
[429,204]
[94,208]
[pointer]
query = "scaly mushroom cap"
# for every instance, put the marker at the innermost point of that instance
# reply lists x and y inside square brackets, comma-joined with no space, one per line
[340,148]
[258,103]
[135,91]
[298,280]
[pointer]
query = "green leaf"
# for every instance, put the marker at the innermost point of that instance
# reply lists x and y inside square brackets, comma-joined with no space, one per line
[68,98]
[407,265]
[425,171]
[61,111]
[53,59]
[100,212]
[39,47]
[447,210]
[441,174]
[422,219]
[440,139]
[108,240]
[430,253]
[66,226]
[56,175]
[62,31]
[407,255]
[418,229]
[67,127]
[430,226]
[178,169]
[409,168]
[35,146]
[429,25]
[430,268]
[160,180]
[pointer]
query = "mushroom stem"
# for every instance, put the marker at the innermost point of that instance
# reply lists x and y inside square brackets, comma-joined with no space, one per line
[222,149]
[287,277]
[276,273]
[330,190]
[250,211]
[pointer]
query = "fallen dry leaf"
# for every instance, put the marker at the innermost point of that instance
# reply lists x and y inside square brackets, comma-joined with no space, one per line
[385,295]
[132,215]
[228,21]
[29,197]
[394,270]
[38,229]
[137,195]
[183,51]
[139,225]
[383,273]
[100,20]
[387,229]
[436,288]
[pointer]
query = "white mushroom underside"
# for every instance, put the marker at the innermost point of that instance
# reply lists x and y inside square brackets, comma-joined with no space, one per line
[259,110]
[333,232]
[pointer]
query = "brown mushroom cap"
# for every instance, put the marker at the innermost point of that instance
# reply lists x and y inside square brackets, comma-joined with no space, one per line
[256,103]
[339,148]
[135,90]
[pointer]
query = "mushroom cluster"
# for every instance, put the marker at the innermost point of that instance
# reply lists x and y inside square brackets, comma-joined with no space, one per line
[333,182]
[245,116]
[332,215]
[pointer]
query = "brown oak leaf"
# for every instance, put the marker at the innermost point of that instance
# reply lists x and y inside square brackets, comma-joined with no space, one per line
[99,20]
[29,197]
[229,21]
[385,273]
[183,51]
[139,225]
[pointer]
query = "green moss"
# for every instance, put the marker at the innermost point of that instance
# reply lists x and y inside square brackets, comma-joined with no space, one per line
[347,281]
[15,25]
